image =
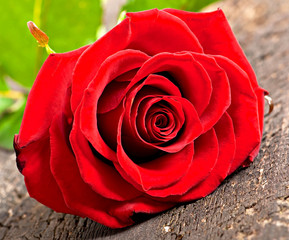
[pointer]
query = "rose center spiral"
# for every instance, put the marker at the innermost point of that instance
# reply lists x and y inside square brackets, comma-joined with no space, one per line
[161,120]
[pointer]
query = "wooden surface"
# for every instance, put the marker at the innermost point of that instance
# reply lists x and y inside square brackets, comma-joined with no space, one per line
[253,203]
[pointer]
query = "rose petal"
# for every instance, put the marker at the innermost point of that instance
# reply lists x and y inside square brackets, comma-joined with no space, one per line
[107,126]
[89,63]
[243,111]
[221,94]
[140,205]
[77,194]
[204,160]
[122,62]
[160,172]
[151,29]
[134,32]
[260,93]
[191,129]
[114,92]
[189,75]
[216,37]
[144,108]
[101,177]
[45,100]
[226,139]
[39,181]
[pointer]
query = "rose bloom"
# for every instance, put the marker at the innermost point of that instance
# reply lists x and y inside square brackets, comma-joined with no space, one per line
[157,112]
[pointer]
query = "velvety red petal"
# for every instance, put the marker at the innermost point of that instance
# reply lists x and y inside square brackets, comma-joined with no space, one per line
[153,87]
[216,37]
[140,105]
[39,180]
[188,74]
[221,94]
[107,126]
[191,129]
[143,111]
[89,63]
[260,93]
[122,62]
[102,177]
[78,195]
[114,92]
[155,31]
[46,97]
[142,120]
[205,158]
[160,172]
[162,83]
[140,205]
[227,145]
[243,111]
[133,32]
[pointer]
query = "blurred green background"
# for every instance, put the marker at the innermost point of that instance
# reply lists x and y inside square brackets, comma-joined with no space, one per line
[69,25]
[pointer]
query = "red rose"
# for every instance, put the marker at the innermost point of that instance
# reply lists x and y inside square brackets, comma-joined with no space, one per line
[158,111]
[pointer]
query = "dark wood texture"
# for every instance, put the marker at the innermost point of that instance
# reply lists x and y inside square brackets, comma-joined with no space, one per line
[253,203]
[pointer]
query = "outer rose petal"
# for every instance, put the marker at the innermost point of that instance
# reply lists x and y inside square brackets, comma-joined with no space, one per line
[80,197]
[134,32]
[140,205]
[101,177]
[260,96]
[47,96]
[165,171]
[39,181]
[227,145]
[122,62]
[165,28]
[243,111]
[77,194]
[221,94]
[204,160]
[216,37]
[88,65]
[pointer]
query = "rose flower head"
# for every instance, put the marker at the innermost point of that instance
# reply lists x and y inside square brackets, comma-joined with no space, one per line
[158,111]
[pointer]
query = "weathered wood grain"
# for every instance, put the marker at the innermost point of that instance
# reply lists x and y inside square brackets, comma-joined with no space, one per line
[253,203]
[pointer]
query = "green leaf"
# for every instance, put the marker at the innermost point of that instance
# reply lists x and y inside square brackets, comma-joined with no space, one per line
[4,104]
[3,85]
[69,25]
[140,5]
[197,5]
[9,126]
[17,47]
[189,5]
